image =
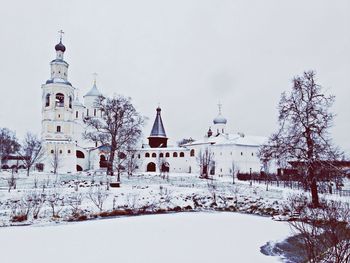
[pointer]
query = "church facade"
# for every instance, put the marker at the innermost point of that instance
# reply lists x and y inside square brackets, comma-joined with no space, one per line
[68,152]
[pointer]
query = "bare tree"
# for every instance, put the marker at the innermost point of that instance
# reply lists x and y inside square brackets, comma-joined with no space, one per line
[303,135]
[323,233]
[8,144]
[205,160]
[98,197]
[133,162]
[56,202]
[234,169]
[163,167]
[74,201]
[32,151]
[119,127]
[55,160]
[12,181]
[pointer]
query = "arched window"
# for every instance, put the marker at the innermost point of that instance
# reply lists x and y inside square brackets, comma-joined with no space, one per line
[61,152]
[59,100]
[147,155]
[161,155]
[241,153]
[80,154]
[122,155]
[52,151]
[182,154]
[192,152]
[175,154]
[47,100]
[154,155]
[95,112]
[70,102]
[167,155]
[76,114]
[58,128]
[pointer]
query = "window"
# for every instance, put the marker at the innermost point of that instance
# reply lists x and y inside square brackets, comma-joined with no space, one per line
[76,114]
[70,102]
[192,153]
[58,129]
[47,100]
[167,155]
[52,151]
[68,151]
[241,153]
[175,154]
[182,154]
[60,151]
[59,100]
[252,154]
[95,112]
[161,155]
[87,112]
[80,154]
[147,155]
[154,155]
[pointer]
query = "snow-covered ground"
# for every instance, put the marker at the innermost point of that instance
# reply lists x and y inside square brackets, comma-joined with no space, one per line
[144,191]
[184,237]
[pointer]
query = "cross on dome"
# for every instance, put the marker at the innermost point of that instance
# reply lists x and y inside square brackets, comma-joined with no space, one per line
[95,77]
[219,105]
[61,32]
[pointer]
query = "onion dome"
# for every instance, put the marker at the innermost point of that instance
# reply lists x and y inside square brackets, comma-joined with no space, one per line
[60,47]
[220,120]
[93,92]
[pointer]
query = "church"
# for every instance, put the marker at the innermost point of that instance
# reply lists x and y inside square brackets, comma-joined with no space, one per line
[68,152]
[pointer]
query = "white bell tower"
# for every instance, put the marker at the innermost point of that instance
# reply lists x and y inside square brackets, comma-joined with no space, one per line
[57,116]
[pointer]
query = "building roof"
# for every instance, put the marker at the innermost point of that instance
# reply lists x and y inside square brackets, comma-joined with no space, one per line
[158,127]
[231,139]
[93,92]
[58,80]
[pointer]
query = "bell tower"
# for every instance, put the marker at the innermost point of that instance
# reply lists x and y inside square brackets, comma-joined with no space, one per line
[57,115]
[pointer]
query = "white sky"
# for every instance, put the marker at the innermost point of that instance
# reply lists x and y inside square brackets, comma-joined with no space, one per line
[186,55]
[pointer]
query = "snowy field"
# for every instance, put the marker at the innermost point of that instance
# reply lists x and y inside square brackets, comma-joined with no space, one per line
[71,196]
[185,237]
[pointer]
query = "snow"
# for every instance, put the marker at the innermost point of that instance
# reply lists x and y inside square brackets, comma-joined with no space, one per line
[184,237]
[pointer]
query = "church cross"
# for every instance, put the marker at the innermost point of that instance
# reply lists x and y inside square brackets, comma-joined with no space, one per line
[95,77]
[219,105]
[61,34]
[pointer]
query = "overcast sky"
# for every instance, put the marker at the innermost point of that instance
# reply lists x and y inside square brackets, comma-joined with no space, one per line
[186,55]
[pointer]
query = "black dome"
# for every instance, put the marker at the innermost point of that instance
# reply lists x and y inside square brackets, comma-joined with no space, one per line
[60,47]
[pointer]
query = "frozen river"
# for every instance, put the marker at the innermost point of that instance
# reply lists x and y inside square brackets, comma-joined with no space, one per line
[182,237]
